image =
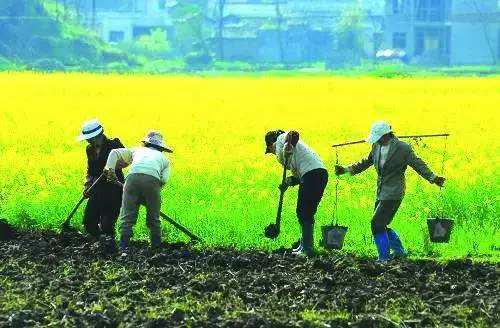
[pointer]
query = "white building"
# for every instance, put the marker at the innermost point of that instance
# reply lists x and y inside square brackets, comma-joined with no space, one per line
[124,20]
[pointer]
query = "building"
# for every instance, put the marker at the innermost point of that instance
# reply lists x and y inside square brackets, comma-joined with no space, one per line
[444,32]
[289,31]
[125,20]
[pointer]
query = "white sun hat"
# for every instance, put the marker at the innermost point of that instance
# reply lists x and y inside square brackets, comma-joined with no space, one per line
[90,129]
[156,139]
[379,129]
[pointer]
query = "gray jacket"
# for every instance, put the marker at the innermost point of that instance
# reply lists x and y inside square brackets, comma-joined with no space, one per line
[391,183]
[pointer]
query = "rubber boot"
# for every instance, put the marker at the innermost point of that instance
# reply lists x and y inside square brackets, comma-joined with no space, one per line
[308,239]
[297,246]
[383,248]
[396,245]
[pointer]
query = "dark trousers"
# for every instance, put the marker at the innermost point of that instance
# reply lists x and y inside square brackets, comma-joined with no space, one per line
[102,210]
[310,193]
[385,210]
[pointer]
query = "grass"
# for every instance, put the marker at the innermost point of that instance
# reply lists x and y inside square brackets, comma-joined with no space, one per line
[222,186]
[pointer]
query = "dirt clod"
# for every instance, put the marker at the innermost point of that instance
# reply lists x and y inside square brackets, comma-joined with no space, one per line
[77,282]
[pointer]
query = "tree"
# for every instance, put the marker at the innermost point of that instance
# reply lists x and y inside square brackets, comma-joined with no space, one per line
[220,27]
[279,23]
[349,31]
[190,31]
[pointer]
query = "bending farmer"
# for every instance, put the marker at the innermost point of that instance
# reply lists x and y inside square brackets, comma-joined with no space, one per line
[390,157]
[308,172]
[149,171]
[104,202]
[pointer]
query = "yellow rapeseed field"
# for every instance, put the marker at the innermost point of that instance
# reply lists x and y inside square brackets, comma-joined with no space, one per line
[222,186]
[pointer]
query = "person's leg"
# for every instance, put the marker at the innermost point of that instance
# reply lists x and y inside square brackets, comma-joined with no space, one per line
[129,209]
[91,217]
[310,194]
[395,244]
[110,212]
[151,190]
[383,215]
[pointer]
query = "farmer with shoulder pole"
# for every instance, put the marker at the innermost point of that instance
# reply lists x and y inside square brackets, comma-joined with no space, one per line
[309,173]
[104,201]
[390,157]
[149,172]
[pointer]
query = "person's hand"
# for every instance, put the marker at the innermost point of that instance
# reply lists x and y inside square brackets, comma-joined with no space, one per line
[288,150]
[439,181]
[283,187]
[289,181]
[110,174]
[85,192]
[339,170]
[292,138]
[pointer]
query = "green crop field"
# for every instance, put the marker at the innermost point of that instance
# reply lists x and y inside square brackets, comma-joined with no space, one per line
[222,185]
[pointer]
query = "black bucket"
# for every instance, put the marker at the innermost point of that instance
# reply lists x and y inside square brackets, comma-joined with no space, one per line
[440,230]
[333,236]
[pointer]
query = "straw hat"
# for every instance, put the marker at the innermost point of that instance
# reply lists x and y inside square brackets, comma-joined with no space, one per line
[156,139]
[90,129]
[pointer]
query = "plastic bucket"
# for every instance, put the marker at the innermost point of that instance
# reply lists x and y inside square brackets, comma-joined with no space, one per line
[439,229]
[333,236]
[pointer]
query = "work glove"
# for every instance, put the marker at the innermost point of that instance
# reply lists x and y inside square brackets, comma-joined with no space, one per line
[110,174]
[339,170]
[439,181]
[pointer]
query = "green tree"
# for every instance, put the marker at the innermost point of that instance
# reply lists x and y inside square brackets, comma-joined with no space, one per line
[349,30]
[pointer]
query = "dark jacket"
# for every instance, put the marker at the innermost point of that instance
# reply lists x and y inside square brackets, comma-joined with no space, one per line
[95,165]
[391,183]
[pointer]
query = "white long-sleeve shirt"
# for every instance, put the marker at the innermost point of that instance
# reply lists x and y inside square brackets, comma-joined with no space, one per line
[384,151]
[303,158]
[142,160]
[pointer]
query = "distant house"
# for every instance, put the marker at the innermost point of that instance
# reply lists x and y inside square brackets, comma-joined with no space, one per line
[449,32]
[124,20]
[289,31]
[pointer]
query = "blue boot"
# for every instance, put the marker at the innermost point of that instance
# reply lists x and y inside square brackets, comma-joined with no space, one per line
[396,245]
[382,242]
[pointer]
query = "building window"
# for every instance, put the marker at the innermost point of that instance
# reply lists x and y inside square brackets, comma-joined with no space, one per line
[116,36]
[430,10]
[399,40]
[432,41]
[398,6]
[162,4]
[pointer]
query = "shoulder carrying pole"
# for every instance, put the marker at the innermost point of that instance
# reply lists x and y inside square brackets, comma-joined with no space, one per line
[400,137]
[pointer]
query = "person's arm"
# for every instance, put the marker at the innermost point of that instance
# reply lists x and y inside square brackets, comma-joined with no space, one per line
[362,165]
[89,179]
[124,156]
[165,173]
[280,151]
[420,166]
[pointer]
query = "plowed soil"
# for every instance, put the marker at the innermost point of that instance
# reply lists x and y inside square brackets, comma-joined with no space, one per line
[73,282]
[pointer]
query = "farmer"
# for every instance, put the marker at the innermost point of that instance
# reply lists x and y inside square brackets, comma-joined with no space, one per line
[390,157]
[104,202]
[149,171]
[308,172]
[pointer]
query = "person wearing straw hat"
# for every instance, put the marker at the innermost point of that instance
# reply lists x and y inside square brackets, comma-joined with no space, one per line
[309,173]
[390,157]
[103,206]
[149,171]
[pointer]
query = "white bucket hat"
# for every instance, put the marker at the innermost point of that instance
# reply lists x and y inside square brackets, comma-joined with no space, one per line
[90,129]
[379,129]
[155,138]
